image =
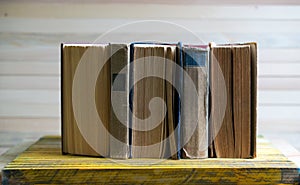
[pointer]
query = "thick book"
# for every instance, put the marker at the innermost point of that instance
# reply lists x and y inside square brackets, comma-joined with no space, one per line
[85,99]
[194,103]
[119,116]
[152,102]
[233,78]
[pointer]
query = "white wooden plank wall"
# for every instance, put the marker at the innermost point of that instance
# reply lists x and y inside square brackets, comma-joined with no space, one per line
[31,33]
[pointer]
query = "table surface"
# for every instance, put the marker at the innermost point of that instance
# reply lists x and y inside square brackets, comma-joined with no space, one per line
[43,163]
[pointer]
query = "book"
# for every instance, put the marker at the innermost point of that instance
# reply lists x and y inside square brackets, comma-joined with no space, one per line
[231,78]
[151,101]
[150,109]
[194,126]
[119,126]
[85,99]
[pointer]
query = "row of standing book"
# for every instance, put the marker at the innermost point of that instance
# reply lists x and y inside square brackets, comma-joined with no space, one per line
[159,100]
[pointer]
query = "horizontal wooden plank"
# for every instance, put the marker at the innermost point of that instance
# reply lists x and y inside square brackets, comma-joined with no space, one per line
[12,41]
[30,124]
[270,126]
[29,110]
[279,83]
[12,153]
[151,11]
[278,113]
[279,97]
[269,167]
[30,68]
[30,96]
[279,69]
[30,54]
[279,55]
[30,82]
[21,25]
[265,40]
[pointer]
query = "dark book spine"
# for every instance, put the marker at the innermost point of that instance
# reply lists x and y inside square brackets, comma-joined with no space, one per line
[177,96]
[63,149]
[118,126]
[131,92]
[253,49]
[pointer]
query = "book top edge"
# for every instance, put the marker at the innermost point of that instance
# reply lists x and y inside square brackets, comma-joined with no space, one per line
[247,44]
[83,45]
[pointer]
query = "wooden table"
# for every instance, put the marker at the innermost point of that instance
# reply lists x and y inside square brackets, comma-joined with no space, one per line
[43,163]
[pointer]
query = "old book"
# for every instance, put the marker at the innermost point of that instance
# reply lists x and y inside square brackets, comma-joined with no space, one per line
[119,125]
[232,121]
[194,129]
[221,126]
[85,99]
[96,110]
[150,103]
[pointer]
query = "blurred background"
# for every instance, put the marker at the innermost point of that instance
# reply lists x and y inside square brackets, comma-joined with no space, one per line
[31,33]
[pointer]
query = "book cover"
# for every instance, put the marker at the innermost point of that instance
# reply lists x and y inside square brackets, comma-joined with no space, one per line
[234,135]
[85,118]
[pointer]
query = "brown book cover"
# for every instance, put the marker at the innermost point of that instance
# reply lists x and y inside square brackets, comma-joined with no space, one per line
[81,133]
[233,136]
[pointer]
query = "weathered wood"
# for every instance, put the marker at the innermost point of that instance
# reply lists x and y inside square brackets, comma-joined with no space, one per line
[43,163]
[11,154]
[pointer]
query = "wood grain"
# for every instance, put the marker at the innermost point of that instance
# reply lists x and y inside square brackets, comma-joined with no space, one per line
[43,163]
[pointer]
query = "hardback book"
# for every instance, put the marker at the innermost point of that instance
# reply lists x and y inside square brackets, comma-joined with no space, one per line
[152,102]
[233,78]
[85,99]
[119,116]
[194,103]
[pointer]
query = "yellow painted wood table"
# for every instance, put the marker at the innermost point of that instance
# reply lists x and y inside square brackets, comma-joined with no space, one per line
[43,163]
